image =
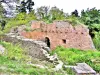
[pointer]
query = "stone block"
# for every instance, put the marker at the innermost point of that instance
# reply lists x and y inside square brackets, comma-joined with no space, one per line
[83,69]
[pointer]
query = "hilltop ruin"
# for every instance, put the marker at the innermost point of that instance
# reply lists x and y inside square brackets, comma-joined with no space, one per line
[61,33]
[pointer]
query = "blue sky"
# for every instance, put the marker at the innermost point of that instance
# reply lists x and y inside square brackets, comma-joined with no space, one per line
[69,5]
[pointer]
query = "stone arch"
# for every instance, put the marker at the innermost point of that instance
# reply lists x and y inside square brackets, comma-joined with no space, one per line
[47,41]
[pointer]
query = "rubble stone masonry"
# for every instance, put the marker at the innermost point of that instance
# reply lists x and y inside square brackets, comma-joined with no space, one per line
[61,33]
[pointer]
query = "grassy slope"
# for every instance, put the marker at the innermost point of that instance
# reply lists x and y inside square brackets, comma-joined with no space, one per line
[11,66]
[14,60]
[73,56]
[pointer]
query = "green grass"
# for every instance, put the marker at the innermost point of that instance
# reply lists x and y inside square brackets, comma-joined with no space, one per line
[18,67]
[73,56]
[13,23]
[96,40]
[70,71]
[14,52]
[21,68]
[14,60]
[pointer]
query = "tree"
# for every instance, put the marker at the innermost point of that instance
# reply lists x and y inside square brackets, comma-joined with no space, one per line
[75,13]
[48,15]
[22,7]
[26,6]
[30,3]
[9,6]
[56,13]
[42,12]
[91,17]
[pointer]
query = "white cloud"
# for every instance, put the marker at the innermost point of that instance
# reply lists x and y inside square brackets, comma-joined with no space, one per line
[69,5]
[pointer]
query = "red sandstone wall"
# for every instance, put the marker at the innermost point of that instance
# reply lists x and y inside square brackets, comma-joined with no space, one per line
[76,37]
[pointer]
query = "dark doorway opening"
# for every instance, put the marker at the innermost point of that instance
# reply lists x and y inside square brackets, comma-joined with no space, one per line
[47,41]
[64,41]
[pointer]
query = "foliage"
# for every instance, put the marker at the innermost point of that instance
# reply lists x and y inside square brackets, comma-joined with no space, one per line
[9,4]
[31,16]
[1,11]
[91,18]
[20,16]
[20,19]
[56,13]
[73,20]
[49,15]
[13,51]
[75,13]
[73,56]
[42,12]
[24,6]
[96,40]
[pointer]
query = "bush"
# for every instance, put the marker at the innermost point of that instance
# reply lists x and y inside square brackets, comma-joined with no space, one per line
[72,56]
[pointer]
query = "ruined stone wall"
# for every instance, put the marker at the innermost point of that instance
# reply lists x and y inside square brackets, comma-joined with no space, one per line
[62,33]
[36,49]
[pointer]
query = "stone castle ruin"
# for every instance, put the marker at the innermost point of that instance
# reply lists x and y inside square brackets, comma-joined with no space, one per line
[60,33]
[42,37]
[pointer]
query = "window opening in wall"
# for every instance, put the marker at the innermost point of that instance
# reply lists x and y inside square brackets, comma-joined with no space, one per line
[47,41]
[64,41]
[82,33]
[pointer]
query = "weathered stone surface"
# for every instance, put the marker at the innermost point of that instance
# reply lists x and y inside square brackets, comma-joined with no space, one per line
[32,47]
[36,49]
[61,33]
[2,49]
[84,69]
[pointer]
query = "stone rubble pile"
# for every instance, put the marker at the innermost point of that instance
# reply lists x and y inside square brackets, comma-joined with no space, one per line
[36,49]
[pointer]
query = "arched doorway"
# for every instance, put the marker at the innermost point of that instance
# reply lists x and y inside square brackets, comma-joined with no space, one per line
[47,41]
